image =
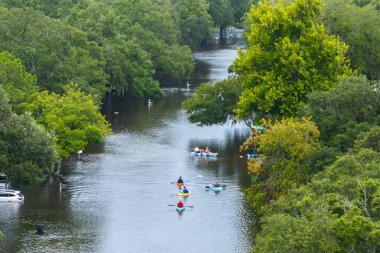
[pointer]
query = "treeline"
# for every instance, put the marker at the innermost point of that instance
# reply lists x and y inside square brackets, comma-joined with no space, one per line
[58,59]
[307,78]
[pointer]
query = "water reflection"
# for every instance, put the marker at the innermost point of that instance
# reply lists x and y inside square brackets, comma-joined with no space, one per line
[115,199]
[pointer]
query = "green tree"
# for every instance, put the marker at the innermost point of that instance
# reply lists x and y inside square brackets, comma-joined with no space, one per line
[283,149]
[213,103]
[222,13]
[52,50]
[343,113]
[337,212]
[195,22]
[359,28]
[73,117]
[289,55]
[18,83]
[27,150]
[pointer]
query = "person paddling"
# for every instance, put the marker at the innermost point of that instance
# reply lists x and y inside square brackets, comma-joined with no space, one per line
[180,182]
[180,204]
[197,150]
[185,190]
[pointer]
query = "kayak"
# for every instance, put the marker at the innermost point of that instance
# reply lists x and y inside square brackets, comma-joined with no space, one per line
[180,209]
[205,154]
[184,194]
[215,189]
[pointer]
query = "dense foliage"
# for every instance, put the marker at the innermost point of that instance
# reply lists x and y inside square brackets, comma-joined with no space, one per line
[283,151]
[358,24]
[27,150]
[16,81]
[73,117]
[289,55]
[52,50]
[343,113]
[213,102]
[337,212]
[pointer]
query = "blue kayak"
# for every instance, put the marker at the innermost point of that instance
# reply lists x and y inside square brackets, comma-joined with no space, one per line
[214,188]
[210,154]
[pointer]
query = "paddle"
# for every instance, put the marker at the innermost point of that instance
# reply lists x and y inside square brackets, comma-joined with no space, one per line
[183,206]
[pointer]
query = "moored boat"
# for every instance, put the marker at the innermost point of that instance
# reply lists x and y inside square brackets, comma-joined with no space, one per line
[11,196]
[209,154]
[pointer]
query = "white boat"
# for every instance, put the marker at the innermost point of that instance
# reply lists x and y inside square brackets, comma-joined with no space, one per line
[209,154]
[11,196]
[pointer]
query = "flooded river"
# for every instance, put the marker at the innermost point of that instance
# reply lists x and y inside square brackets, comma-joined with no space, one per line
[116,197]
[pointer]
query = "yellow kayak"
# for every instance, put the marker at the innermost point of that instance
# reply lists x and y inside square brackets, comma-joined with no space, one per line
[184,194]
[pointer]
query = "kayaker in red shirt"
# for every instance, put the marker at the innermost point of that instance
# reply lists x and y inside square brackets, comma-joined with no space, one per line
[180,204]
[207,150]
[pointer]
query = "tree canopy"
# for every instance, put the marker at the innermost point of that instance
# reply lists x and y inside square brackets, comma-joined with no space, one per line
[289,55]
[213,103]
[27,150]
[343,113]
[16,81]
[357,23]
[73,117]
[283,149]
[337,212]
[52,50]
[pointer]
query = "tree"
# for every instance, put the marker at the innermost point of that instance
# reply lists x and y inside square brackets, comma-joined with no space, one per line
[289,55]
[222,13]
[358,24]
[73,117]
[213,103]
[16,81]
[27,150]
[52,50]
[343,113]
[283,149]
[195,22]
[337,212]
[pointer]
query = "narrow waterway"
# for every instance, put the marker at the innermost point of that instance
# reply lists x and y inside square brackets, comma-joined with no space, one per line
[116,197]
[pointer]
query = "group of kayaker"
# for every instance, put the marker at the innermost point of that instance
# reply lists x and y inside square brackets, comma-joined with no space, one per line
[198,150]
[184,190]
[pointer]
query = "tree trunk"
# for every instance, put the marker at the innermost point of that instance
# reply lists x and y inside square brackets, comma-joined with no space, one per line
[221,32]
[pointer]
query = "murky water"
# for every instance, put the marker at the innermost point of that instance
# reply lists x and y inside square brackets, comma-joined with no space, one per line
[116,197]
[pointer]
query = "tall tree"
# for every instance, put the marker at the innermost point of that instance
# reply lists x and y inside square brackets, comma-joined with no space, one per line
[16,81]
[343,113]
[27,150]
[52,50]
[195,22]
[213,103]
[222,13]
[359,28]
[288,56]
[337,212]
[283,150]
[73,117]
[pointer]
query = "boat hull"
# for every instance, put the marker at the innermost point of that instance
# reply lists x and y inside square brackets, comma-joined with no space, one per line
[205,154]
[180,209]
[184,194]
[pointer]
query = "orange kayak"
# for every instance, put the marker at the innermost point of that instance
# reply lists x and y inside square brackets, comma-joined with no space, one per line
[180,184]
